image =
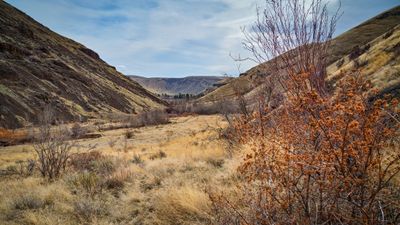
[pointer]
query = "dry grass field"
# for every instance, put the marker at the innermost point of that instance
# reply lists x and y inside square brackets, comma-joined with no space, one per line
[310,135]
[159,175]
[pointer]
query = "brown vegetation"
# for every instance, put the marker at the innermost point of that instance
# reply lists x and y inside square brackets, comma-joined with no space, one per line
[12,137]
[163,165]
[320,157]
[301,155]
[51,146]
[323,160]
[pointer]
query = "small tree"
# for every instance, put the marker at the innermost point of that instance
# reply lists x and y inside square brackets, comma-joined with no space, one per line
[52,147]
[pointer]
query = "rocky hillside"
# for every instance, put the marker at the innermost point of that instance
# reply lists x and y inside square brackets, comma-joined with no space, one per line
[39,67]
[357,42]
[173,86]
[378,60]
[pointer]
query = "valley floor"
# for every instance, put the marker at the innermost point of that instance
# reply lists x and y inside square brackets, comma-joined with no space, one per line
[163,173]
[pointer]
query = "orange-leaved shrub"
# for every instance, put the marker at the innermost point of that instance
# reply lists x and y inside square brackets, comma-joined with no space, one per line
[319,160]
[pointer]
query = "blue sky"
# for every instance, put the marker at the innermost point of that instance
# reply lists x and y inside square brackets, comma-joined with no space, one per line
[170,38]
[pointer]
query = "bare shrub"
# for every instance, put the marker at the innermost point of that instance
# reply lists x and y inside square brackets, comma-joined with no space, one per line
[218,163]
[85,161]
[241,100]
[112,142]
[30,200]
[52,147]
[180,107]
[88,209]
[357,51]
[146,118]
[296,36]
[117,180]
[26,168]
[224,106]
[114,183]
[159,155]
[89,182]
[340,63]
[137,160]
[207,108]
[98,173]
[129,134]
[78,131]
[93,161]
[154,117]
[21,168]
[151,183]
[105,166]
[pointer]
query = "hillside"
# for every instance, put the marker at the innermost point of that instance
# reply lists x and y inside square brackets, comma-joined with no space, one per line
[39,67]
[173,86]
[352,41]
[378,60]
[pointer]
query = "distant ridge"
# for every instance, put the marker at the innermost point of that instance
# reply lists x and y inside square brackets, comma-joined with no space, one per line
[172,86]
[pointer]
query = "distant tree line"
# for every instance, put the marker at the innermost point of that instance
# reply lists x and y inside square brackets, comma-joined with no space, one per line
[180,96]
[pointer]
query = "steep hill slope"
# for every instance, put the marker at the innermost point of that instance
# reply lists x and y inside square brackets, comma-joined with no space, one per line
[353,41]
[378,60]
[172,86]
[39,67]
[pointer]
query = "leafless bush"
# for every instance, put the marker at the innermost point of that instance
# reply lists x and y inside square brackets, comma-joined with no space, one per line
[93,162]
[78,131]
[218,163]
[146,118]
[112,142]
[30,201]
[242,103]
[117,180]
[137,160]
[340,63]
[88,182]
[52,147]
[129,134]
[88,209]
[295,35]
[357,51]
[150,184]
[225,106]
[153,117]
[85,161]
[180,107]
[26,168]
[207,108]
[159,155]
[21,168]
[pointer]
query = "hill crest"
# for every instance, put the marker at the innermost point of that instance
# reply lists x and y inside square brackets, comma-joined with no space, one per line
[40,67]
[172,86]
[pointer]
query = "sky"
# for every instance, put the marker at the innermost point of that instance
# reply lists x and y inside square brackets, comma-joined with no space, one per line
[170,38]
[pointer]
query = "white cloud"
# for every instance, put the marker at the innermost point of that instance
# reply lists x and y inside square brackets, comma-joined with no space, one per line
[173,38]
[155,37]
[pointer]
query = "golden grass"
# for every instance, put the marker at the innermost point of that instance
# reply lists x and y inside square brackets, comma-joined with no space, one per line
[168,190]
[380,63]
[30,201]
[182,205]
